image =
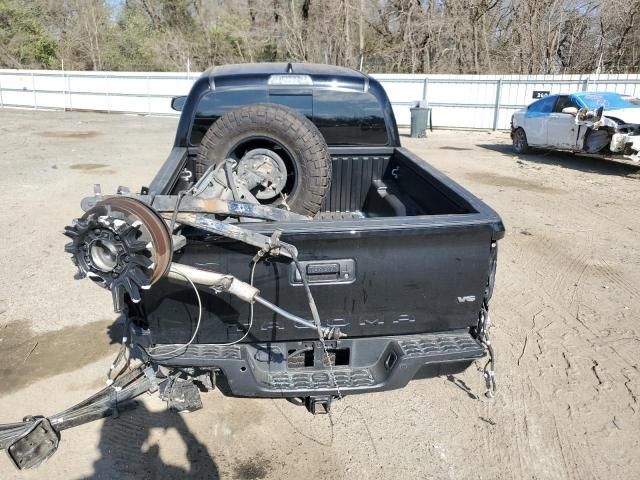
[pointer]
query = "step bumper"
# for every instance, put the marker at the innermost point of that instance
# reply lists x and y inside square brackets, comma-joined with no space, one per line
[359,365]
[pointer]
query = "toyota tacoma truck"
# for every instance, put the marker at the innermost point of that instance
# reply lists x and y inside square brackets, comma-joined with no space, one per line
[289,247]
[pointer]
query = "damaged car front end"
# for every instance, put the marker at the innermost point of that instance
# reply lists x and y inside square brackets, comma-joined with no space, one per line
[595,123]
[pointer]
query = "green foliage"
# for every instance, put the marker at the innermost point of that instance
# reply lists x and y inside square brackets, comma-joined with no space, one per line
[128,46]
[226,40]
[24,40]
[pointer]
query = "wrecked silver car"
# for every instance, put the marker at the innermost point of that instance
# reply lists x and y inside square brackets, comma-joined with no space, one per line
[599,123]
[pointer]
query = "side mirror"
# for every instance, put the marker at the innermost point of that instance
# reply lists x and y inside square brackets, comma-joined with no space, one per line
[570,110]
[177,103]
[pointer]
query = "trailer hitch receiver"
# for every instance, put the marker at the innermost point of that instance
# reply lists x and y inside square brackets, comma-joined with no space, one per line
[320,405]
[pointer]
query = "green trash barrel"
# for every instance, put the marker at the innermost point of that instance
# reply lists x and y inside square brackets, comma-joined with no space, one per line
[420,120]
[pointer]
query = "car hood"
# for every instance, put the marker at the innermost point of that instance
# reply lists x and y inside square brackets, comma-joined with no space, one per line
[627,115]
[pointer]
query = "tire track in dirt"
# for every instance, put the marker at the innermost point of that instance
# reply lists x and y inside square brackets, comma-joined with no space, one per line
[558,271]
[559,331]
[539,443]
[540,434]
[565,278]
[604,269]
[575,347]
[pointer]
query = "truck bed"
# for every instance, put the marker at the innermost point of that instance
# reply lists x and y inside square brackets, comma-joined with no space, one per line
[389,185]
[400,249]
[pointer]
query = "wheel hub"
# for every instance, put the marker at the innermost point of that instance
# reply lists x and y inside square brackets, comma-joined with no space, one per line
[104,255]
[265,169]
[122,245]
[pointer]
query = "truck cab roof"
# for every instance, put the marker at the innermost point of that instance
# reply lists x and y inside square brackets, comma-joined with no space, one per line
[349,107]
[282,68]
[286,75]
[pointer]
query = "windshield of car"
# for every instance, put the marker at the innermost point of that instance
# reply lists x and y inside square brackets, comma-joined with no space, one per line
[610,101]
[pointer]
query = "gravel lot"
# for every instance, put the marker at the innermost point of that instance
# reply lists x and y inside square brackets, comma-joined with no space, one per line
[565,315]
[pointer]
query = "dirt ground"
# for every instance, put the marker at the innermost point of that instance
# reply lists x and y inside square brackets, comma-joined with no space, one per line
[565,315]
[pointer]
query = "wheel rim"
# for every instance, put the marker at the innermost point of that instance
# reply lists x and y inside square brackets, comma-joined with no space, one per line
[267,164]
[519,140]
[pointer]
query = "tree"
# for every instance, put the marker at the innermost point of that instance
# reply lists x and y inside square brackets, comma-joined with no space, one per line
[24,40]
[415,36]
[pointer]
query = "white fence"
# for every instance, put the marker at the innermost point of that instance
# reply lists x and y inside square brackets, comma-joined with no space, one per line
[457,101]
[488,101]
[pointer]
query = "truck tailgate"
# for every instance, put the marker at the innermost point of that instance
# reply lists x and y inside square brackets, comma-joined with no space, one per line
[368,284]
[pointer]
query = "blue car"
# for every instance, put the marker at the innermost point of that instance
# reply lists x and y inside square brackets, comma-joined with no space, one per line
[601,123]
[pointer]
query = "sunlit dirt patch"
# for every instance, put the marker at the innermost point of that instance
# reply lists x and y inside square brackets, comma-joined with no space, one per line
[71,134]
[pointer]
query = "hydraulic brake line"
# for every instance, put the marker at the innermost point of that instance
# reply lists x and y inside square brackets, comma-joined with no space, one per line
[174,214]
[182,348]
[307,289]
[121,352]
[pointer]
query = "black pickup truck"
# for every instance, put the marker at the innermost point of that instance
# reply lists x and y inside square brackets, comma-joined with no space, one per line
[286,196]
[399,257]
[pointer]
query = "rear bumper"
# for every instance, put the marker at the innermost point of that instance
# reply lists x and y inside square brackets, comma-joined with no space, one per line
[362,365]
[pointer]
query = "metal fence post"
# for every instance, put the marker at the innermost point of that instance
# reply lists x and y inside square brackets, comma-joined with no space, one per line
[106,91]
[424,88]
[496,108]
[69,92]
[585,84]
[148,96]
[64,93]
[1,101]
[33,85]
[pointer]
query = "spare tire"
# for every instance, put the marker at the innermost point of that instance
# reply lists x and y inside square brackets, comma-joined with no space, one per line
[283,134]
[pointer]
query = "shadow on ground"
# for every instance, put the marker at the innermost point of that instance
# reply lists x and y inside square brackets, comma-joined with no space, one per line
[129,448]
[582,163]
[129,445]
[462,386]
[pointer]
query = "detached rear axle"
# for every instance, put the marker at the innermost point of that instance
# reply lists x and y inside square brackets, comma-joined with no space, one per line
[125,245]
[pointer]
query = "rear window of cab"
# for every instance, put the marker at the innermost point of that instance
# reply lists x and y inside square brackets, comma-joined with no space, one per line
[344,118]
